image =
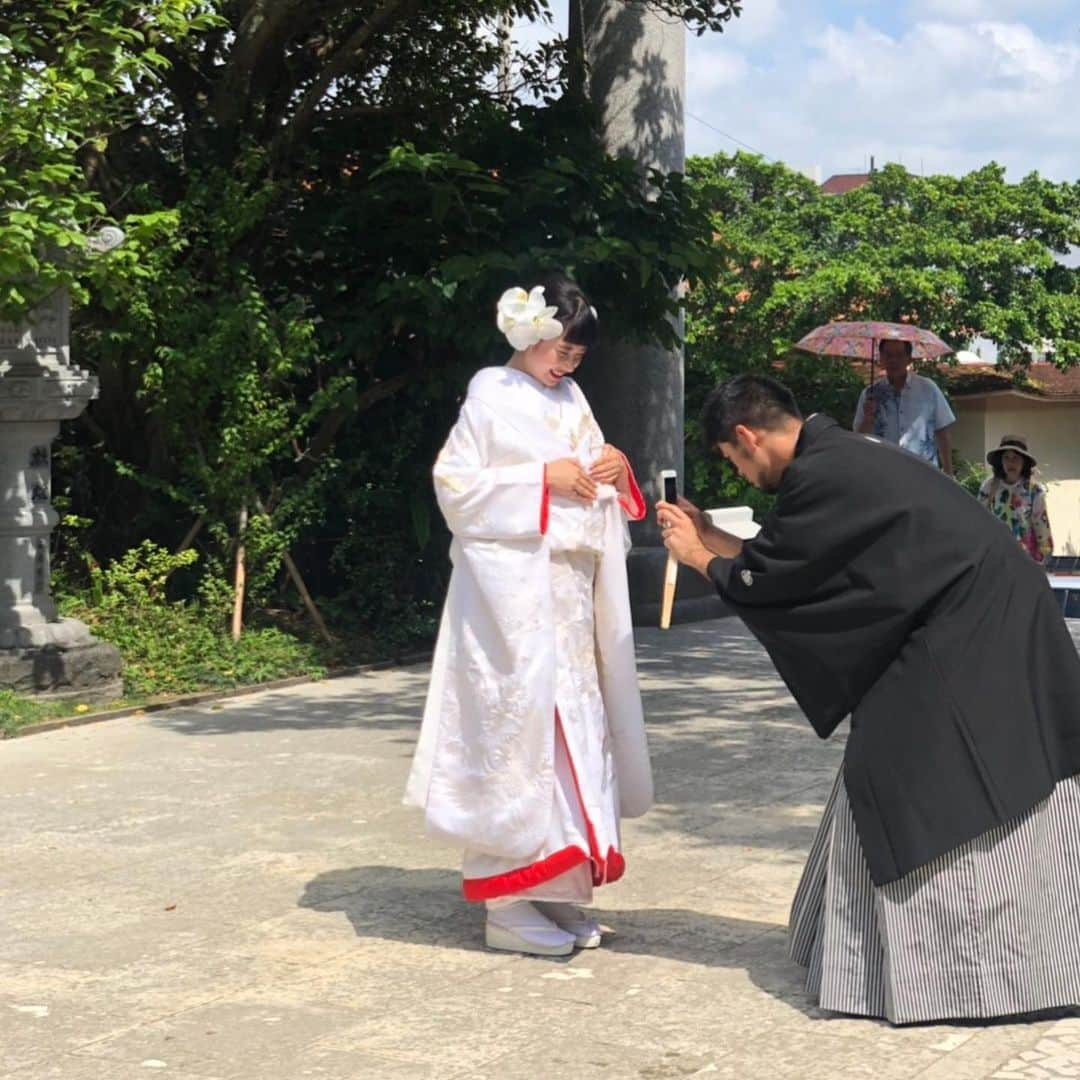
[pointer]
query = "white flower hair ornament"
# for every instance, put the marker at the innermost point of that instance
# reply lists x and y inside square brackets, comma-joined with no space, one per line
[525,319]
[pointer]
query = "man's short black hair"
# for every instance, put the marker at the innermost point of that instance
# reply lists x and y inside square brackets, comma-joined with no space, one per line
[908,347]
[754,401]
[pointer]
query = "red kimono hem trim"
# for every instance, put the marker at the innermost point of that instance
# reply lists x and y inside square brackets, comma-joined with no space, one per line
[634,502]
[525,877]
[605,870]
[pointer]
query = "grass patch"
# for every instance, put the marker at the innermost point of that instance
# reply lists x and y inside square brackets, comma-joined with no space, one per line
[18,712]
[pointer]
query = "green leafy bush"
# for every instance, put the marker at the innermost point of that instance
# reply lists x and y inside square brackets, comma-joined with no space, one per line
[970,475]
[177,646]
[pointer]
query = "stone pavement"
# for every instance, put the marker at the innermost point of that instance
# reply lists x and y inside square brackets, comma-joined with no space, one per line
[236,891]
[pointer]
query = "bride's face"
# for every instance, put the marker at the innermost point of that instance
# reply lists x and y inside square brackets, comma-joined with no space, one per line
[550,361]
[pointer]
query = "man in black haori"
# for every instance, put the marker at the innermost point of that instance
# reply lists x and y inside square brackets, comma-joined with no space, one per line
[944,882]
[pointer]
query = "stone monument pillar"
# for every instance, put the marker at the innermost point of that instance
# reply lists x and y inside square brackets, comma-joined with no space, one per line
[637,78]
[39,651]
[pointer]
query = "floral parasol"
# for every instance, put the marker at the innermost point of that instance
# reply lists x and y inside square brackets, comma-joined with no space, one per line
[860,340]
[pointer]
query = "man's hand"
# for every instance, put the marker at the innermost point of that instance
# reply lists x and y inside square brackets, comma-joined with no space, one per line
[713,539]
[681,537]
[866,427]
[701,522]
[943,438]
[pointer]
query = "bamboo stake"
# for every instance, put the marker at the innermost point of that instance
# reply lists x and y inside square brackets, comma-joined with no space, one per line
[671,574]
[312,610]
[241,577]
[190,538]
[301,587]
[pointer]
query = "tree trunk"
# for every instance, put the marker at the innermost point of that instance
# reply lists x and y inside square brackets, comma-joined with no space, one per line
[241,576]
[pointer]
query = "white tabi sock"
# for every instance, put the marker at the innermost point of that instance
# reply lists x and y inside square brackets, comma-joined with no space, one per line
[523,919]
[573,920]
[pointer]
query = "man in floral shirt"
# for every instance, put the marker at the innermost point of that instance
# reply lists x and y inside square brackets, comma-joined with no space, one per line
[906,409]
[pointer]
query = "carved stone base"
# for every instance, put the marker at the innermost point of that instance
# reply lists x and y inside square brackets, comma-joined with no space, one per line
[59,633]
[74,665]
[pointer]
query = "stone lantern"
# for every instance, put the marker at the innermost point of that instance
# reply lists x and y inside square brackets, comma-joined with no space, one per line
[40,652]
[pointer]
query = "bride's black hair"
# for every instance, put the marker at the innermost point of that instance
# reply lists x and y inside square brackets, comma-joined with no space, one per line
[572,309]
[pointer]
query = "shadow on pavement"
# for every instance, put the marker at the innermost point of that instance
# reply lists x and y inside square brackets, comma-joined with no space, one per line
[365,709]
[424,907]
[735,763]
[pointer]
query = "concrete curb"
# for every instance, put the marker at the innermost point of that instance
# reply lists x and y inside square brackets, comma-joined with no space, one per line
[164,704]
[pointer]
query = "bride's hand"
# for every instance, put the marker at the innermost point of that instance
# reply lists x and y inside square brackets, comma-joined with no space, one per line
[609,467]
[567,478]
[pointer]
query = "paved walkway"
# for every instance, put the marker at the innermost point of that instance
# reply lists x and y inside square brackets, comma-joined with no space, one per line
[236,892]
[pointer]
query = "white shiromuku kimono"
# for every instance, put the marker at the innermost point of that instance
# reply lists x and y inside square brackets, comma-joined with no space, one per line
[533,741]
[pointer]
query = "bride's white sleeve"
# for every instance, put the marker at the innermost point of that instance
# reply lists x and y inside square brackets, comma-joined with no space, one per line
[482,501]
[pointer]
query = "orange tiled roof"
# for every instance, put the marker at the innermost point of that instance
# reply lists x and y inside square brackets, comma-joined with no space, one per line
[842,183]
[1038,380]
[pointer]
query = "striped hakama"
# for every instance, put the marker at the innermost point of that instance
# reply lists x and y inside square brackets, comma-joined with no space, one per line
[989,929]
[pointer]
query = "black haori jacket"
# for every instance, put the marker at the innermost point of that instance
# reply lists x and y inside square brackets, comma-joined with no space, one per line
[883,591]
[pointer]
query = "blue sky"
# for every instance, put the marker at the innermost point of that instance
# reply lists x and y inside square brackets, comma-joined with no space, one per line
[941,85]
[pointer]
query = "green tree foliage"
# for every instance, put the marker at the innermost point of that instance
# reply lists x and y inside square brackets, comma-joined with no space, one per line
[66,71]
[699,17]
[963,256]
[322,201]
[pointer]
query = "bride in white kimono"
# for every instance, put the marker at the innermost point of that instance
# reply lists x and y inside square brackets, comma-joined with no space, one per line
[533,741]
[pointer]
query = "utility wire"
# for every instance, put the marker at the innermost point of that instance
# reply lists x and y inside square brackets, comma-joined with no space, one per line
[712,127]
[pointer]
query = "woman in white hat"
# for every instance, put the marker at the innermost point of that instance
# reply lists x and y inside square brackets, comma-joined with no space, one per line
[1013,495]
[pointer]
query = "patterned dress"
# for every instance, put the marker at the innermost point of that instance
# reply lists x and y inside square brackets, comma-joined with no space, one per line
[1022,507]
